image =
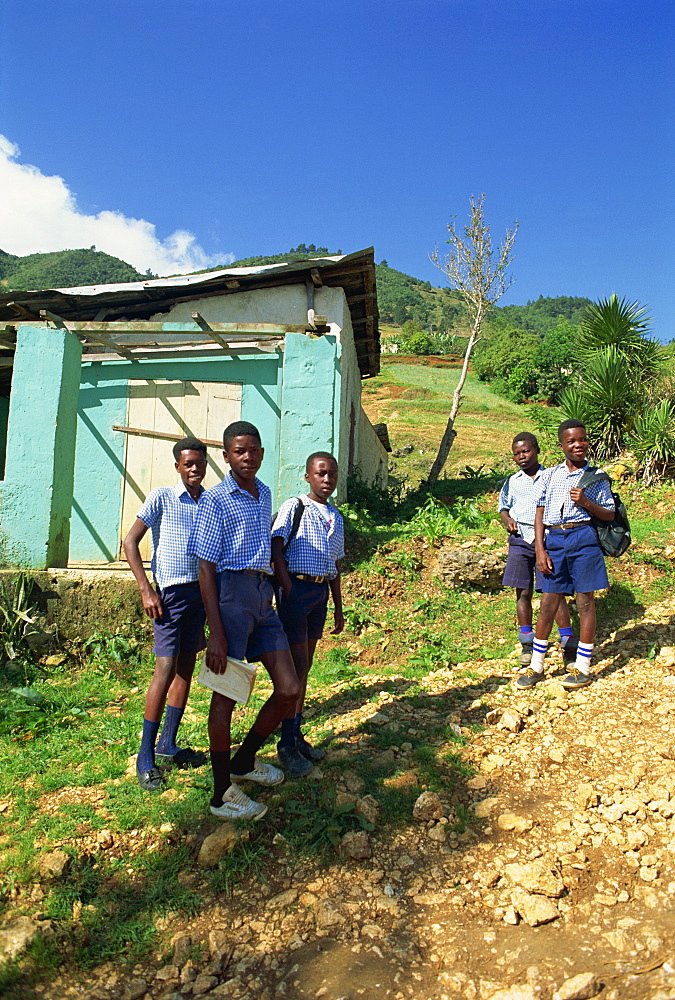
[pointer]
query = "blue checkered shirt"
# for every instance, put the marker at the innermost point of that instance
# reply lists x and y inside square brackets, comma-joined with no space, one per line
[319,541]
[556,484]
[519,497]
[169,512]
[232,528]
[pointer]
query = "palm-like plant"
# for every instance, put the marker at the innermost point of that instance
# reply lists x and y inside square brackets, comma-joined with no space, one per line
[619,369]
[653,440]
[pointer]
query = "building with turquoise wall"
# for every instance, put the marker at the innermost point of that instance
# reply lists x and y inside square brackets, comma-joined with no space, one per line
[284,347]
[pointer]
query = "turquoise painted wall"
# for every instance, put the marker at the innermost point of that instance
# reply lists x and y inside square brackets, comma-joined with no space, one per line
[36,495]
[99,464]
[4,417]
[311,384]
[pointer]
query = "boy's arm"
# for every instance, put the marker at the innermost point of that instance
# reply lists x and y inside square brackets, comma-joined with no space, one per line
[508,522]
[544,564]
[594,509]
[152,604]
[336,593]
[216,648]
[279,564]
[504,508]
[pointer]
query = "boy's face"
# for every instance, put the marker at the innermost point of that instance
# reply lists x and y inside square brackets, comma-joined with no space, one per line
[574,443]
[191,467]
[245,456]
[322,477]
[525,454]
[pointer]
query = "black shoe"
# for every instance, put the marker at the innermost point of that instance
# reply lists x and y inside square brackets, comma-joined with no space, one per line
[569,652]
[307,750]
[528,678]
[293,762]
[525,654]
[150,780]
[184,759]
[576,679]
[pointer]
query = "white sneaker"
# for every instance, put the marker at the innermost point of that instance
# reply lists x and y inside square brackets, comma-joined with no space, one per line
[262,774]
[237,806]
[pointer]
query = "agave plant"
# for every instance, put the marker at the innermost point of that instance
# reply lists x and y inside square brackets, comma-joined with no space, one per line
[619,368]
[653,440]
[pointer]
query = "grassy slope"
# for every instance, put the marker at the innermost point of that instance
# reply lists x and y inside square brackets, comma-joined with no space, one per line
[414,400]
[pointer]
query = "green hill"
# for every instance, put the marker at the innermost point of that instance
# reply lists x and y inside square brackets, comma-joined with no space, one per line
[401,297]
[63,269]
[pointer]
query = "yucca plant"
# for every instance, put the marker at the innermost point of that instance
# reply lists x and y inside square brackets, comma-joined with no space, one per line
[653,440]
[619,371]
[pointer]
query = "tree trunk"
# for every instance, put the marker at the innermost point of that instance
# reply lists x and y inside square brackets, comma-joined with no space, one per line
[450,433]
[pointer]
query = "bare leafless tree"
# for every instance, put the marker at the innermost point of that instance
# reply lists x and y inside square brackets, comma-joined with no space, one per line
[479,274]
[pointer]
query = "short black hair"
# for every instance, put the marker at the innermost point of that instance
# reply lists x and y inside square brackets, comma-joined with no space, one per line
[568,425]
[319,454]
[238,429]
[188,444]
[526,436]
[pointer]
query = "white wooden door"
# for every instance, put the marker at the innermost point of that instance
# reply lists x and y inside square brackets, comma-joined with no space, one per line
[178,410]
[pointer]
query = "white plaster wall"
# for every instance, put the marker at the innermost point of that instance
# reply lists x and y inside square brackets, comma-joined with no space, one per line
[371,458]
[286,304]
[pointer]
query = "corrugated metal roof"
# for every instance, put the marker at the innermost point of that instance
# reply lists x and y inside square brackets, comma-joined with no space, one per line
[354,272]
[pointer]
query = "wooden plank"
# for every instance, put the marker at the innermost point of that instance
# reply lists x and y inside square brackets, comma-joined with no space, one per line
[200,321]
[268,347]
[164,435]
[231,330]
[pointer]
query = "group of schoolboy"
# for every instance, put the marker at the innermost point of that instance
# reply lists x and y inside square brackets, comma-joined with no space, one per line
[553,544]
[214,553]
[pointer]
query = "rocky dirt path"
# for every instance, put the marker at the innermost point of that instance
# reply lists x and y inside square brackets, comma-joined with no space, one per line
[563,888]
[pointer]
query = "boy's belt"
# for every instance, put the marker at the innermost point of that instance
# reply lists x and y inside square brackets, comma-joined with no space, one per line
[310,579]
[568,526]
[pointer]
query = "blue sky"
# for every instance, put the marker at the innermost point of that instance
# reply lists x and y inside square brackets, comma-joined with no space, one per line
[182,135]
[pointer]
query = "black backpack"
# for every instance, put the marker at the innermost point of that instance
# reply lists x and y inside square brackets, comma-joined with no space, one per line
[614,536]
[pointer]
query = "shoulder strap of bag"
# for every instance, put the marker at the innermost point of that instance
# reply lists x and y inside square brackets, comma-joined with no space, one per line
[297,518]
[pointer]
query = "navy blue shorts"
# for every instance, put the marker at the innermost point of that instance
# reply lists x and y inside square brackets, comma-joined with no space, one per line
[251,625]
[521,565]
[303,613]
[577,561]
[181,627]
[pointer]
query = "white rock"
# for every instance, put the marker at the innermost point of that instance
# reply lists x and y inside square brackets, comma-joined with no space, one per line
[581,987]
[428,807]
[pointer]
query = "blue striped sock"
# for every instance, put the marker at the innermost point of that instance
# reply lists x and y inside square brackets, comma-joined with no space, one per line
[539,647]
[584,653]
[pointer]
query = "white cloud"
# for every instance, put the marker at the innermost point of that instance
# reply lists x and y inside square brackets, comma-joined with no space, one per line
[40,214]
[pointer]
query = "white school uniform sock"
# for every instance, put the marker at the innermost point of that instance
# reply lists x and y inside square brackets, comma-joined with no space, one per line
[539,647]
[584,653]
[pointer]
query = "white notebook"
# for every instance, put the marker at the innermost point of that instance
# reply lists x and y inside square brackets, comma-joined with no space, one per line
[236,683]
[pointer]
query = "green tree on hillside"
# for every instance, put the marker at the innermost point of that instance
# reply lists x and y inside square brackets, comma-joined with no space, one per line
[480,277]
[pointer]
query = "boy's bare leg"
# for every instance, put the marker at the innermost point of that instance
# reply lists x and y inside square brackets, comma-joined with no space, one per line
[524,606]
[161,683]
[547,611]
[562,615]
[587,617]
[279,665]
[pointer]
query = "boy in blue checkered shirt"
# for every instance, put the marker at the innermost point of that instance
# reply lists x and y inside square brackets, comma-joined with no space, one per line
[568,552]
[231,538]
[175,608]
[307,566]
